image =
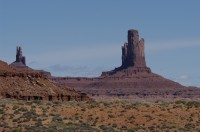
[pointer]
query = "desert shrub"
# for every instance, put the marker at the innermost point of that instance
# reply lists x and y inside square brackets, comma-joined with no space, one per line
[26,120]
[33,107]
[83,109]
[149,117]
[124,127]
[147,105]
[38,102]
[177,106]
[135,104]
[151,128]
[49,103]
[52,114]
[132,130]
[76,117]
[106,128]
[90,118]
[30,115]
[164,104]
[17,130]
[73,127]
[94,123]
[38,123]
[106,104]
[132,117]
[3,105]
[2,111]
[191,104]
[111,116]
[16,112]
[15,120]
[180,102]
[23,109]
[189,126]
[123,111]
[57,119]
[58,103]
[93,104]
[15,107]
[11,116]
[114,125]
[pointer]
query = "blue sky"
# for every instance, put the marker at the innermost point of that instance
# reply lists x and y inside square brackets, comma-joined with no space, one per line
[84,38]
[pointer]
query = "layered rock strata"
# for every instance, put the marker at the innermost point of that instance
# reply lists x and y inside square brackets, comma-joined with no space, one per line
[132,79]
[133,57]
[31,85]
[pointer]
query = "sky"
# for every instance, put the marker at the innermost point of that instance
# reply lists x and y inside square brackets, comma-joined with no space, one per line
[84,38]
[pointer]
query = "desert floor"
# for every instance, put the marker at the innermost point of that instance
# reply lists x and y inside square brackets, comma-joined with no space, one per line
[99,116]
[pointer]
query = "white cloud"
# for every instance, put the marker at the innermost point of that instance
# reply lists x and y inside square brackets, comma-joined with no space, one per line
[75,71]
[167,45]
[183,77]
[76,54]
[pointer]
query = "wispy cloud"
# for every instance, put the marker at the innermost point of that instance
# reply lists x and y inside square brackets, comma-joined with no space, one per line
[75,71]
[77,54]
[183,77]
[187,80]
[168,45]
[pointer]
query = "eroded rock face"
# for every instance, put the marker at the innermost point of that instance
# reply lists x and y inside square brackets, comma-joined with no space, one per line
[20,62]
[32,85]
[19,57]
[133,52]
[132,79]
[133,57]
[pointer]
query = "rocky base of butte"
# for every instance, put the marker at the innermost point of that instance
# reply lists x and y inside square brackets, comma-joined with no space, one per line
[132,79]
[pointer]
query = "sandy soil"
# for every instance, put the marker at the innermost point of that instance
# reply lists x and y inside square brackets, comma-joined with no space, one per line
[99,116]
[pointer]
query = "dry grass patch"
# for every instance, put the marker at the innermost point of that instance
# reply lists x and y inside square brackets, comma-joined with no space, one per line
[99,116]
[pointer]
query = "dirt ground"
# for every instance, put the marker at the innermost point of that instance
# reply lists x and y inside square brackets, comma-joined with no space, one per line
[99,116]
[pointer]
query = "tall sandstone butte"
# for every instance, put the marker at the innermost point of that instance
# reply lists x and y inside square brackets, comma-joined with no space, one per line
[19,57]
[133,57]
[133,79]
[20,62]
[133,51]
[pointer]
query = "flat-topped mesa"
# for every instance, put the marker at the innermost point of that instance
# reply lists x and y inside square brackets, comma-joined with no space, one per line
[133,57]
[19,57]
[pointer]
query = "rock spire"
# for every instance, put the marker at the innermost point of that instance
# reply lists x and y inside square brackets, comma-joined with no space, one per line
[133,57]
[133,51]
[19,57]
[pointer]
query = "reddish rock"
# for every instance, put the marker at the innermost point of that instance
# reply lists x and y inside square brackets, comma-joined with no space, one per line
[132,79]
[32,85]
[20,63]
[133,52]
[19,57]
[133,57]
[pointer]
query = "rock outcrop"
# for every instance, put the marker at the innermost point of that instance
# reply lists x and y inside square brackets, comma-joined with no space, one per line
[133,79]
[133,57]
[19,57]
[32,85]
[20,62]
